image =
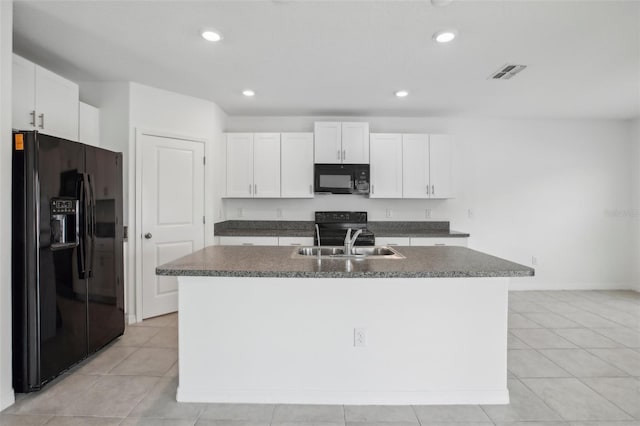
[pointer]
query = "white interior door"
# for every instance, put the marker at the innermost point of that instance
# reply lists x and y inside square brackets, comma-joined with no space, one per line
[172,214]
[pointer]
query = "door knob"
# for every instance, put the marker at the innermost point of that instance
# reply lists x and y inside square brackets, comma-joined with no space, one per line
[148,235]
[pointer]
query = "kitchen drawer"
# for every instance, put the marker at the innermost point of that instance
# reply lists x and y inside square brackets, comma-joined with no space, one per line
[295,241]
[423,241]
[392,241]
[249,241]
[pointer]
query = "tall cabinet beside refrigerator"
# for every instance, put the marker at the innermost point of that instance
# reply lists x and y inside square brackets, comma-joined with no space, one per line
[67,278]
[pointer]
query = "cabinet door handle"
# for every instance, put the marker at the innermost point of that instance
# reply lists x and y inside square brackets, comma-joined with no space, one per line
[310,189]
[427,189]
[338,156]
[250,187]
[255,189]
[247,244]
[41,116]
[344,154]
[433,190]
[33,118]
[373,189]
[440,244]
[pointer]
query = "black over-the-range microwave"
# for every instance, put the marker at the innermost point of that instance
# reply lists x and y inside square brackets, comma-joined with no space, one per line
[341,178]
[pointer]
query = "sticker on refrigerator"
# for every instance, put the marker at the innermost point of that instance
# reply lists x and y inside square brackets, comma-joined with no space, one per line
[19,141]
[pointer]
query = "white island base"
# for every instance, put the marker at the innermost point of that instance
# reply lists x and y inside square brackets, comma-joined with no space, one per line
[291,340]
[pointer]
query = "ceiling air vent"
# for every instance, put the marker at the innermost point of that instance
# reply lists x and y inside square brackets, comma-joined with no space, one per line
[506,72]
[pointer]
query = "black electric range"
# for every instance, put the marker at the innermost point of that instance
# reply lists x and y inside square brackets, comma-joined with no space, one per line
[333,228]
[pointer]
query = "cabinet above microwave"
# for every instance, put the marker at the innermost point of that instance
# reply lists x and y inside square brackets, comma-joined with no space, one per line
[341,143]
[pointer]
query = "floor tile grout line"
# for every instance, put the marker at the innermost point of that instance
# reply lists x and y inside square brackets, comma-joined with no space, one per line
[603,396]
[607,362]
[543,401]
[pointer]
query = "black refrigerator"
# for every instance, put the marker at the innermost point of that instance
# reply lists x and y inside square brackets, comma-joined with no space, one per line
[67,259]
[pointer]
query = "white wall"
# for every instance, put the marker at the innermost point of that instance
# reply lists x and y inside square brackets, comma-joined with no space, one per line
[172,113]
[635,212]
[550,189]
[6,48]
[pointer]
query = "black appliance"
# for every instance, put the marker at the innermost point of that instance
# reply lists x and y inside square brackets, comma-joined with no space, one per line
[333,228]
[67,278]
[341,178]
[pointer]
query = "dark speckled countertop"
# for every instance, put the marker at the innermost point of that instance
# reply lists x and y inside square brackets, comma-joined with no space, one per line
[269,261]
[288,228]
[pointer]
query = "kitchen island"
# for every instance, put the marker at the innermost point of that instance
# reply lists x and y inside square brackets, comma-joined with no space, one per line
[260,325]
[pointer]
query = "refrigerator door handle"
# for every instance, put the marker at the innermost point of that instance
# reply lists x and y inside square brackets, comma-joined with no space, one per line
[83,229]
[92,227]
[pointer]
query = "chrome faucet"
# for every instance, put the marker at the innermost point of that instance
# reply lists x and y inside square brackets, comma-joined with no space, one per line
[318,238]
[349,242]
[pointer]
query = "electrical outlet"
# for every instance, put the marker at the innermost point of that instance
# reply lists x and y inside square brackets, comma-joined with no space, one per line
[279,213]
[389,213]
[240,212]
[534,260]
[470,213]
[359,337]
[427,213]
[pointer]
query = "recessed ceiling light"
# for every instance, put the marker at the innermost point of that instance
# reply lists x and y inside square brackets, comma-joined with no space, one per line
[249,93]
[444,36]
[402,93]
[211,35]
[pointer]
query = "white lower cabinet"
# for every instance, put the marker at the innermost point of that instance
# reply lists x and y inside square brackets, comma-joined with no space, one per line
[248,241]
[427,241]
[295,241]
[393,241]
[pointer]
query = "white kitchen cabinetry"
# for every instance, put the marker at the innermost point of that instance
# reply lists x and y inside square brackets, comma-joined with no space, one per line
[89,124]
[266,165]
[426,166]
[337,143]
[295,241]
[44,101]
[296,151]
[428,241]
[253,165]
[393,241]
[386,165]
[440,173]
[249,241]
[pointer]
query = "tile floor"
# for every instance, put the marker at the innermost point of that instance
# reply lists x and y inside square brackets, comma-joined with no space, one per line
[574,360]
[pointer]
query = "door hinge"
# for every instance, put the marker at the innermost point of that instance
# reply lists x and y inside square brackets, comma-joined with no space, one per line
[204,160]
[204,219]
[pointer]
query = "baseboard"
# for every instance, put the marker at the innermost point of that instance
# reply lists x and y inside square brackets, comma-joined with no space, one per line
[131,319]
[474,397]
[517,285]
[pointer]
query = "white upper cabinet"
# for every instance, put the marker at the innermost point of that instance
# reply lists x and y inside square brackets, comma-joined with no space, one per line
[239,165]
[253,165]
[296,167]
[337,143]
[386,165]
[427,166]
[355,143]
[328,142]
[440,173]
[89,124]
[44,101]
[266,165]
[415,162]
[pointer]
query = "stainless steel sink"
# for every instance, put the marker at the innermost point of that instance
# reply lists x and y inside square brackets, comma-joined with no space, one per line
[374,252]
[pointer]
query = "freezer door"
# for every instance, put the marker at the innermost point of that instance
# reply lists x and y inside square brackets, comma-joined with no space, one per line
[105,257]
[61,290]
